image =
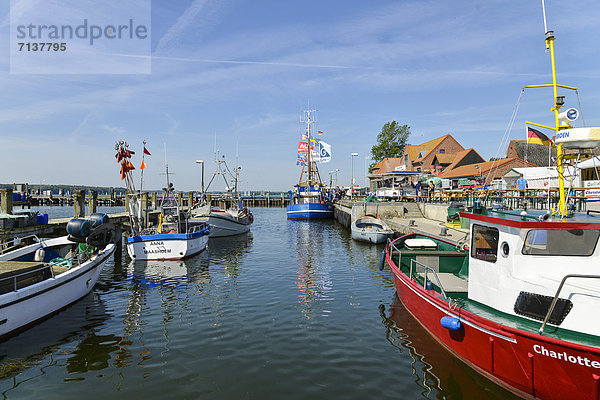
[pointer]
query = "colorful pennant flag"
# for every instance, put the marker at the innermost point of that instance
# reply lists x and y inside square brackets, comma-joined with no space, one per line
[536,137]
[143,166]
[302,147]
[146,151]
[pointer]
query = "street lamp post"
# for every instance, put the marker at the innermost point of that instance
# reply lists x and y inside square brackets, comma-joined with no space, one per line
[352,164]
[367,174]
[331,179]
[201,187]
[336,172]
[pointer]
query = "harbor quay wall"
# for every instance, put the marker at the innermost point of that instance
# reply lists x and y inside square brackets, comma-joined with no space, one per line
[346,211]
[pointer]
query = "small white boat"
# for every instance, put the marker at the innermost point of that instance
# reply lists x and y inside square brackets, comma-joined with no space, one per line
[371,230]
[235,219]
[223,222]
[42,278]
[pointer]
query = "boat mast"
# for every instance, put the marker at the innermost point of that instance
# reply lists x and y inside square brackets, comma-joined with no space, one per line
[558,103]
[309,117]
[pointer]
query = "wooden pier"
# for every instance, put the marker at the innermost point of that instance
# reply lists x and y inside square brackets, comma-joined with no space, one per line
[117,200]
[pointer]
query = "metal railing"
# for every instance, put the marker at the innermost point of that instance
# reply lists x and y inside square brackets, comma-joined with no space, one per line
[4,247]
[428,268]
[15,277]
[555,299]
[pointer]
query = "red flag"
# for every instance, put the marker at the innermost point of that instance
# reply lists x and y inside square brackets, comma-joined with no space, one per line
[143,166]
[302,147]
[146,151]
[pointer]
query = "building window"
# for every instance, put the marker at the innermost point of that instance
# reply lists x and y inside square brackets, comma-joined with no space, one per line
[484,243]
[442,151]
[406,160]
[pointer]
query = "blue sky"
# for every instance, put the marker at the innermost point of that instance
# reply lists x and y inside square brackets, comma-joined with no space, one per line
[244,70]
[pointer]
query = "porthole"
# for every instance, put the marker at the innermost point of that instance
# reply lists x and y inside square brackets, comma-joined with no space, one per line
[505,248]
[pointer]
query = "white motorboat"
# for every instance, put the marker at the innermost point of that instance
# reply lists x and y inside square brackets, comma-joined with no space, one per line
[235,219]
[42,277]
[223,222]
[371,230]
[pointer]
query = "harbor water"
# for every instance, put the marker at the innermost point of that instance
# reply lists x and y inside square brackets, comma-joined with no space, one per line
[292,310]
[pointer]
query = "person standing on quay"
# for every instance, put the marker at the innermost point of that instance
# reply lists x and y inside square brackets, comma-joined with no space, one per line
[522,185]
[418,190]
[431,190]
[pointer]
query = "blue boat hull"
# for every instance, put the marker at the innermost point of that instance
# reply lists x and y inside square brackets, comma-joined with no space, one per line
[310,211]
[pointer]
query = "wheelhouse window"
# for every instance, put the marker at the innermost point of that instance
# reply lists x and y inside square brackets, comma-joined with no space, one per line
[561,242]
[484,243]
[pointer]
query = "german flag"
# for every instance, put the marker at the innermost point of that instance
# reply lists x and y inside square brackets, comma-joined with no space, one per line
[536,137]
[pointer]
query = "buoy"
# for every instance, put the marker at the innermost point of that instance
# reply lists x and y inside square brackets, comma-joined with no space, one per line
[39,256]
[451,323]
[382,262]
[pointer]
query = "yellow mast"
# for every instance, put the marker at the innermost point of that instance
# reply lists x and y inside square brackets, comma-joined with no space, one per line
[558,103]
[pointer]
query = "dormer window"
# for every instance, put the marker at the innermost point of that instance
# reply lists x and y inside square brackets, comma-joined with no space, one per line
[442,151]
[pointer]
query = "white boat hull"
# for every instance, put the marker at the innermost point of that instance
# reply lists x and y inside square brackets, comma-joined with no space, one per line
[223,224]
[226,226]
[371,230]
[370,237]
[23,307]
[172,246]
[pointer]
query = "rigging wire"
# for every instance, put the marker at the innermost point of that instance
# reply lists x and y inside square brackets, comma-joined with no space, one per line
[506,137]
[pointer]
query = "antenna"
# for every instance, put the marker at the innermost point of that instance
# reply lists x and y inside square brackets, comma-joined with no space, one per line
[544,13]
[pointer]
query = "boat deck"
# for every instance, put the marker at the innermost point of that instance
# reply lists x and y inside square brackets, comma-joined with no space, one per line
[16,275]
[455,285]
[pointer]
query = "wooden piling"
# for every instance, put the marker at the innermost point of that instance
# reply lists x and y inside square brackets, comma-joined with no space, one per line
[79,203]
[93,201]
[6,202]
[153,200]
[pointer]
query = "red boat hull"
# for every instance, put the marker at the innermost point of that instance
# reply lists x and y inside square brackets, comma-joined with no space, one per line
[527,364]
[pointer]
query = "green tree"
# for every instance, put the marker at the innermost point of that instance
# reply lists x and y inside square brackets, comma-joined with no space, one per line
[390,142]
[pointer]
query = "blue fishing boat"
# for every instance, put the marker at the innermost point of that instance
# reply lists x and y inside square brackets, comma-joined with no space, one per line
[309,199]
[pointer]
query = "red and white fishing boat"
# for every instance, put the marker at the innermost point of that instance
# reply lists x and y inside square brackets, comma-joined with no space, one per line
[517,304]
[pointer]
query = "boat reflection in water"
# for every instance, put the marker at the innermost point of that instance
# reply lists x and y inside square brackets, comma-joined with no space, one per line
[434,369]
[230,250]
[72,334]
[313,277]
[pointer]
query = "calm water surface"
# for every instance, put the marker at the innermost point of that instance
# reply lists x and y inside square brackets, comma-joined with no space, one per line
[293,310]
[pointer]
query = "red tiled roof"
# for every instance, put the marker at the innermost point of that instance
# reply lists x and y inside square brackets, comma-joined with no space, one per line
[459,157]
[387,165]
[446,158]
[427,147]
[484,168]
